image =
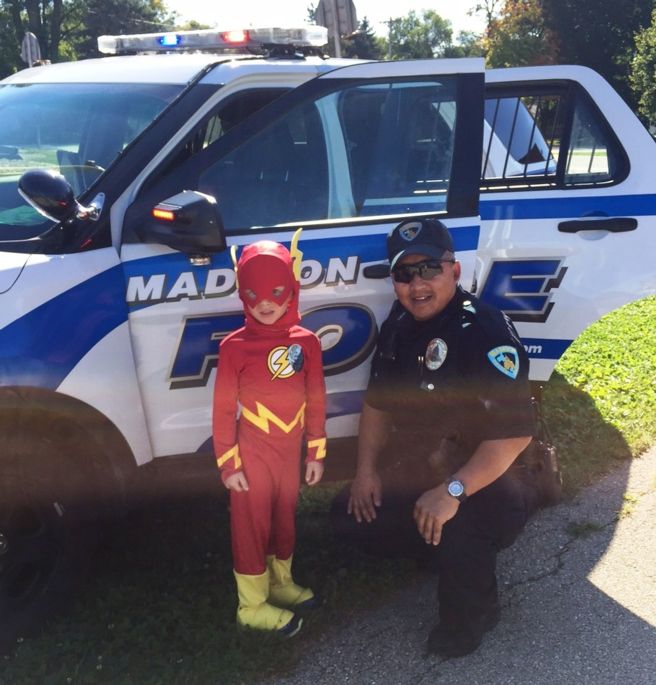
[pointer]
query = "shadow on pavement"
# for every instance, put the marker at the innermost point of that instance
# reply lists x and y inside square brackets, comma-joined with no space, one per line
[578,589]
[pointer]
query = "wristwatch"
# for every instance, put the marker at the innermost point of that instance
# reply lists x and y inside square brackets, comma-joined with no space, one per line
[456,489]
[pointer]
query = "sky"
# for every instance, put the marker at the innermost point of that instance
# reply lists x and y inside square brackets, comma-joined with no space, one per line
[240,13]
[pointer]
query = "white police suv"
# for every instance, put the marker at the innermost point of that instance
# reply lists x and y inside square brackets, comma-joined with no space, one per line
[144,167]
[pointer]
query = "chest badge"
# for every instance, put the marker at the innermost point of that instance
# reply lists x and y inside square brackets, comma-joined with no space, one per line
[284,362]
[505,359]
[436,352]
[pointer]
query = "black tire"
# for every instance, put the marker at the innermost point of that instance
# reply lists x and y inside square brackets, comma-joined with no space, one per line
[47,529]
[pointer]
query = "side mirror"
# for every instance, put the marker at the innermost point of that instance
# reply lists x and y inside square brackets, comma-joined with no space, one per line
[52,195]
[49,193]
[189,222]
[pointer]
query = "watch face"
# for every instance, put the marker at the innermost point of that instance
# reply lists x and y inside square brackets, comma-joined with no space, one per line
[456,488]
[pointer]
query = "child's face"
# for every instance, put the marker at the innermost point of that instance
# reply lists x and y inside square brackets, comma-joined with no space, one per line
[268,311]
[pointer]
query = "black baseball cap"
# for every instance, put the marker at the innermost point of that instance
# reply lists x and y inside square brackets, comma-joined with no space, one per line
[428,237]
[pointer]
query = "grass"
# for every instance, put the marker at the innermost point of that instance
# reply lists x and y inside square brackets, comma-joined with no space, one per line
[629,501]
[159,606]
[600,403]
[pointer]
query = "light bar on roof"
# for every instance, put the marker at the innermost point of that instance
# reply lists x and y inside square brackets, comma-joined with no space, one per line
[213,39]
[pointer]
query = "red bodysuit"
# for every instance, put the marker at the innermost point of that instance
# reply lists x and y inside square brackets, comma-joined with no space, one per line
[269,394]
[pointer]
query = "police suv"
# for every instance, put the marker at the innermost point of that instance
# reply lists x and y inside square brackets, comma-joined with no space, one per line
[145,167]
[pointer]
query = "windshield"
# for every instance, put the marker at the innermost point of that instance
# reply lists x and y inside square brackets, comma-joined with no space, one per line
[75,129]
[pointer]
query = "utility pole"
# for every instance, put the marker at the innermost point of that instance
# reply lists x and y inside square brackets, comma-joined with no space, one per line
[337,33]
[339,17]
[389,37]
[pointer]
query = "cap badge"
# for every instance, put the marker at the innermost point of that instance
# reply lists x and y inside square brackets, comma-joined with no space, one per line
[410,231]
[436,352]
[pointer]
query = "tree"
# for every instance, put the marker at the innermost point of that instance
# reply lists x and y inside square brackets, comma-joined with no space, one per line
[519,36]
[68,29]
[364,43]
[42,18]
[10,60]
[469,44]
[114,17]
[192,25]
[413,37]
[599,34]
[643,69]
[491,9]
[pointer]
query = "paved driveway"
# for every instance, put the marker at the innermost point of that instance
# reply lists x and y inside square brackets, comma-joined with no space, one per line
[579,598]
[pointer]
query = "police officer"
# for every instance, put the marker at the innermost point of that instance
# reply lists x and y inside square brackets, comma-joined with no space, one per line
[446,413]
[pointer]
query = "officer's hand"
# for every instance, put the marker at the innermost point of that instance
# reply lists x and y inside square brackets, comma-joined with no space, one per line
[432,510]
[237,482]
[366,492]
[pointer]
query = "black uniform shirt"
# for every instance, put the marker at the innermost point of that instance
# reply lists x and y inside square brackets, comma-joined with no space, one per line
[462,375]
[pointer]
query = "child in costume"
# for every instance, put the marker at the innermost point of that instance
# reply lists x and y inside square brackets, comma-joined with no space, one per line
[269,395]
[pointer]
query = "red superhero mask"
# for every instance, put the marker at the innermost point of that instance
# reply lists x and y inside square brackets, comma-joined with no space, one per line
[262,269]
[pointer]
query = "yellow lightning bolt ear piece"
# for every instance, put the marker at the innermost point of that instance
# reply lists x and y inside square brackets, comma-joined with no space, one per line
[296,254]
[233,256]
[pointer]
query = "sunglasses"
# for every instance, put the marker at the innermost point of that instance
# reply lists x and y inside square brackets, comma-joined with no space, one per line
[426,270]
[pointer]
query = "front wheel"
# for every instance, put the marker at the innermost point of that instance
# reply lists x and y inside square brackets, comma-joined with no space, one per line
[46,533]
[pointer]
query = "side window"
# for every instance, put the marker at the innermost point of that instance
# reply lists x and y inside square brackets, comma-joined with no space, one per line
[520,135]
[547,139]
[399,140]
[231,113]
[592,158]
[353,150]
[278,176]
[365,150]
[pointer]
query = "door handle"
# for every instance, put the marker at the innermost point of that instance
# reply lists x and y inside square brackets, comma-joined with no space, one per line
[380,270]
[614,225]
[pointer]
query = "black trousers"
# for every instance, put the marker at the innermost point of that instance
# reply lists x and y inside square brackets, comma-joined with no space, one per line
[466,557]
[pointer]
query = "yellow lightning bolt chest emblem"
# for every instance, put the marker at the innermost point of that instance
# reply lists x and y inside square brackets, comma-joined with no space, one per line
[284,362]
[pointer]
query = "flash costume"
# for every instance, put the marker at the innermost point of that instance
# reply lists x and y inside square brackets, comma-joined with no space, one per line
[269,395]
[277,379]
[448,384]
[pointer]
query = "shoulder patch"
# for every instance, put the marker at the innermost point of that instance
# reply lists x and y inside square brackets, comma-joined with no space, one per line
[505,359]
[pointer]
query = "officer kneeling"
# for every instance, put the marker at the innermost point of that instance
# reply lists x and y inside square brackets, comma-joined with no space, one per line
[446,413]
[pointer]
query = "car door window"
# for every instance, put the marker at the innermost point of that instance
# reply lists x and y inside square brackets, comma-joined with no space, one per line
[358,150]
[592,158]
[275,177]
[548,138]
[399,139]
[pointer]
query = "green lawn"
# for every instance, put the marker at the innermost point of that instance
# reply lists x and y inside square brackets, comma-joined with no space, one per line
[601,402]
[159,605]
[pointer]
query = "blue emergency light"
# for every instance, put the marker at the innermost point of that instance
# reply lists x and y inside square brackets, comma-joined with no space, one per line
[170,40]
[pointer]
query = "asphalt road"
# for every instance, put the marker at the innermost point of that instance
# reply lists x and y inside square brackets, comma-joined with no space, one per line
[578,597]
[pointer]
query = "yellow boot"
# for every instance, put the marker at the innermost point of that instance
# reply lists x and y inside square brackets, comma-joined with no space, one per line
[255,612]
[283,591]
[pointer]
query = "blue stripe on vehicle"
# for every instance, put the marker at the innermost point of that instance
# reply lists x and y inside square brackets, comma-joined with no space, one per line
[369,248]
[542,348]
[344,403]
[41,348]
[562,207]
